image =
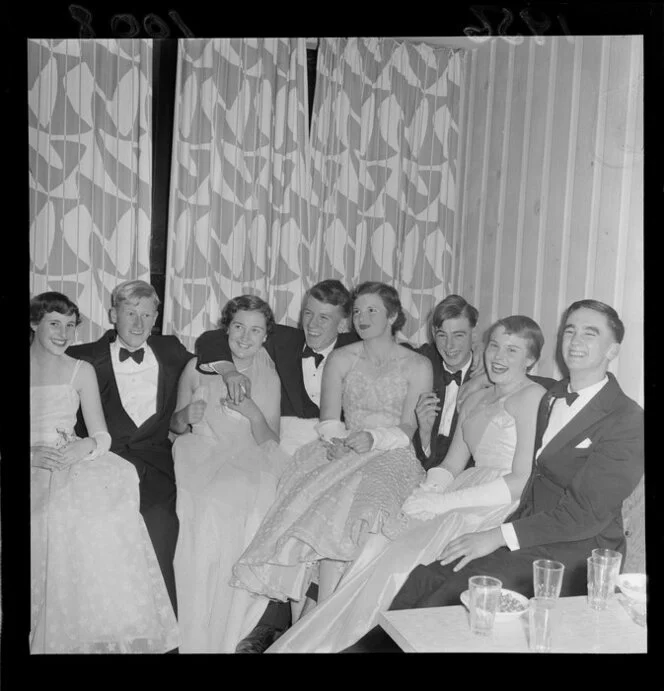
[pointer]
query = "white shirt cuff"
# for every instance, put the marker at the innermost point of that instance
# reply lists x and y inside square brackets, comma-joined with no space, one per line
[509,534]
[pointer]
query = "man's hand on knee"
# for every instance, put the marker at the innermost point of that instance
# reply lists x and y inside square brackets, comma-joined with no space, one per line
[472,546]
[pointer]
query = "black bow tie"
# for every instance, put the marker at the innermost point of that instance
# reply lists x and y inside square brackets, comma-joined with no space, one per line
[308,352]
[569,396]
[452,376]
[135,355]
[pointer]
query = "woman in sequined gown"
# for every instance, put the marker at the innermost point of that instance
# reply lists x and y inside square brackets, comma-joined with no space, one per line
[96,586]
[496,425]
[345,486]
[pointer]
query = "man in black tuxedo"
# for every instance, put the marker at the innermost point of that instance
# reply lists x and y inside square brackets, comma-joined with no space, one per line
[452,326]
[138,377]
[588,460]
[299,356]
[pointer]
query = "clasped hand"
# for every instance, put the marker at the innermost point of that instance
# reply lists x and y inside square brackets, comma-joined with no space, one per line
[238,385]
[424,503]
[359,441]
[52,458]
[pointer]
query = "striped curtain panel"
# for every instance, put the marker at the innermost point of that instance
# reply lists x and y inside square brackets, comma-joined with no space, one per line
[90,169]
[238,209]
[384,141]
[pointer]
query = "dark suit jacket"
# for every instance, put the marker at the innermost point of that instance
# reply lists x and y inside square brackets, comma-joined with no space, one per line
[572,502]
[147,447]
[284,345]
[439,444]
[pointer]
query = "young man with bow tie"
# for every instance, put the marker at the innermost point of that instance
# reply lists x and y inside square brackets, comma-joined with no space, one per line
[452,325]
[588,460]
[138,376]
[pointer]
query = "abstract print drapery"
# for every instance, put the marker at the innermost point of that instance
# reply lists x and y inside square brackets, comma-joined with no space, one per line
[384,143]
[89,110]
[239,188]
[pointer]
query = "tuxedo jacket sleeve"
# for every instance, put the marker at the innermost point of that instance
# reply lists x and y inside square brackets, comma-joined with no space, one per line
[576,493]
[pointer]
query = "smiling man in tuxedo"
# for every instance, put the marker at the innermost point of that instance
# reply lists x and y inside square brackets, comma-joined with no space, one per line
[138,377]
[588,460]
[299,356]
[452,325]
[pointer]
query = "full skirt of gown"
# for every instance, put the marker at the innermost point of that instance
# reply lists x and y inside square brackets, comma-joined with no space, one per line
[386,561]
[96,585]
[329,509]
[225,484]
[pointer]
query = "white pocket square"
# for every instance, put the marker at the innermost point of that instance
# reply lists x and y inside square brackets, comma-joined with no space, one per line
[584,444]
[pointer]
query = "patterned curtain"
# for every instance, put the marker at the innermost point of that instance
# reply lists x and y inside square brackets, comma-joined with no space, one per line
[384,141]
[90,169]
[239,190]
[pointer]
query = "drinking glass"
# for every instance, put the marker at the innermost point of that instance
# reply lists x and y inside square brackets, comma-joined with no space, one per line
[484,596]
[547,578]
[542,621]
[603,569]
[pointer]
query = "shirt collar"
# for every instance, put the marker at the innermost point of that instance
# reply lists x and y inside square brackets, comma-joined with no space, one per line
[589,391]
[326,351]
[464,369]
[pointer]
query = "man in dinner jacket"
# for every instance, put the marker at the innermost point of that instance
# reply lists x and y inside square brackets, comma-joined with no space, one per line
[299,356]
[138,378]
[588,460]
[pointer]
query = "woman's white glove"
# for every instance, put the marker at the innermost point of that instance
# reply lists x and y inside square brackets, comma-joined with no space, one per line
[329,429]
[423,504]
[387,438]
[437,480]
[103,440]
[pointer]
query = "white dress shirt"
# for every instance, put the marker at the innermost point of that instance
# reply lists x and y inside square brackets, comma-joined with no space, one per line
[137,384]
[313,376]
[560,416]
[449,406]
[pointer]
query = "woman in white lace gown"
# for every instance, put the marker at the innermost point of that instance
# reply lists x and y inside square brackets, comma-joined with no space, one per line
[496,425]
[96,586]
[226,471]
[344,487]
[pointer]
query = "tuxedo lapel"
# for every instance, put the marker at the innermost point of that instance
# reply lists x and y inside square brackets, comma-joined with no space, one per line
[289,357]
[596,409]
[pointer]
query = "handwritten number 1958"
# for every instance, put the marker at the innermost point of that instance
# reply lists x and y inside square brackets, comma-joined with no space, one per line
[127,26]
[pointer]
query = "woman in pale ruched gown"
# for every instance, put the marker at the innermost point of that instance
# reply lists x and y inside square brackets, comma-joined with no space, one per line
[95,581]
[226,471]
[496,425]
[341,489]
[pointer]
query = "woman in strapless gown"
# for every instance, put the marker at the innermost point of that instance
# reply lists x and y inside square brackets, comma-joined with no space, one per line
[344,487]
[96,586]
[496,425]
[226,472]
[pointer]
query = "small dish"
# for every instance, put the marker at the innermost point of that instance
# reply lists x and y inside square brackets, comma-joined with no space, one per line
[633,585]
[505,594]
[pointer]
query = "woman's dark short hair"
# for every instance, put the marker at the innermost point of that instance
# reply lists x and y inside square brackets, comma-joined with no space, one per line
[525,328]
[615,323]
[246,303]
[44,303]
[390,299]
[332,292]
[453,307]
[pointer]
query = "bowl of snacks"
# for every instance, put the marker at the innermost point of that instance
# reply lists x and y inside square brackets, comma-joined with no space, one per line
[633,585]
[511,606]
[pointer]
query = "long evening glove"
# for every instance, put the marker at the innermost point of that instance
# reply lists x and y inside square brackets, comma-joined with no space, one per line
[422,504]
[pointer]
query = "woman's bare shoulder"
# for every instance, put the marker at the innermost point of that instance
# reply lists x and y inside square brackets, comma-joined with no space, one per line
[527,397]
